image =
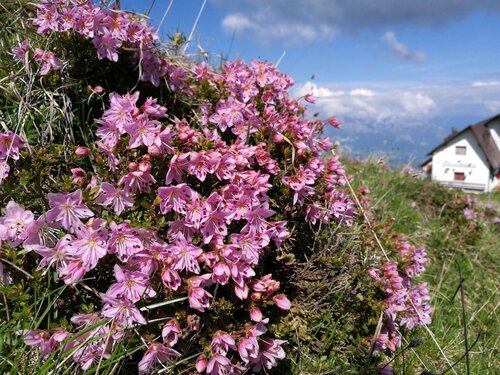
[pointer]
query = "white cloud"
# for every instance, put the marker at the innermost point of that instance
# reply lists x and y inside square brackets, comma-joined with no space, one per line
[400,50]
[485,83]
[237,22]
[302,21]
[294,33]
[415,113]
[373,106]
[361,92]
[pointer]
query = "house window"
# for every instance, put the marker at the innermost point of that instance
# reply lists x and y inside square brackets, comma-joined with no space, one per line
[459,176]
[460,150]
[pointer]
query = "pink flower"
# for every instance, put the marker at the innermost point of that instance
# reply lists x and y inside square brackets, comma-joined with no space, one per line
[170,279]
[122,310]
[10,144]
[121,111]
[90,246]
[48,60]
[109,132]
[152,109]
[107,47]
[229,114]
[186,255]
[218,365]
[132,285]
[221,273]
[14,224]
[175,197]
[142,132]
[199,298]
[124,241]
[271,350]
[67,209]
[214,224]
[177,166]
[109,195]
[249,351]
[170,332]
[221,343]
[58,255]
[256,218]
[156,353]
[140,180]
[203,163]
[47,343]
[73,272]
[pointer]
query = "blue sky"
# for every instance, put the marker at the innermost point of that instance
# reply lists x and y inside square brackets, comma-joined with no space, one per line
[398,73]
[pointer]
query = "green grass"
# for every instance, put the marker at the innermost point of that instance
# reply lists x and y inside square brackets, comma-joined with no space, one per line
[424,212]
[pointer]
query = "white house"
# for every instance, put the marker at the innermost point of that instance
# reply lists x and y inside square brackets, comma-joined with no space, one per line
[468,159]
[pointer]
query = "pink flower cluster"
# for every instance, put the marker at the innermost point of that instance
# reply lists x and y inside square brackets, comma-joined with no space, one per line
[407,304]
[220,183]
[476,213]
[110,31]
[46,59]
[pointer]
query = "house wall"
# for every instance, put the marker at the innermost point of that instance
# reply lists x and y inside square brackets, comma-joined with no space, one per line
[473,164]
[494,128]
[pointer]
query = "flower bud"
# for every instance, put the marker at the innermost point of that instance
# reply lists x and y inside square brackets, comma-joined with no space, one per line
[132,166]
[98,89]
[82,151]
[256,314]
[201,363]
[282,302]
[154,151]
[277,138]
[310,98]
[256,296]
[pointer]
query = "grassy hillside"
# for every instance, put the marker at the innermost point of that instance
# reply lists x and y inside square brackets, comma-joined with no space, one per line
[432,216]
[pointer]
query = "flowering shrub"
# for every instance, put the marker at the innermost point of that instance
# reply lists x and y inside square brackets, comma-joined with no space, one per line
[168,216]
[407,303]
[477,213]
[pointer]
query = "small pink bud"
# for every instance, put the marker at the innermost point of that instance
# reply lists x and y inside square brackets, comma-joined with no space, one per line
[132,166]
[82,151]
[201,363]
[334,122]
[282,302]
[78,175]
[98,89]
[310,98]
[256,314]
[146,157]
[77,172]
[255,296]
[154,151]
[277,138]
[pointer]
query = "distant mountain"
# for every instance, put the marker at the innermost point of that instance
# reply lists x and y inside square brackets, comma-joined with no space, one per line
[399,144]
